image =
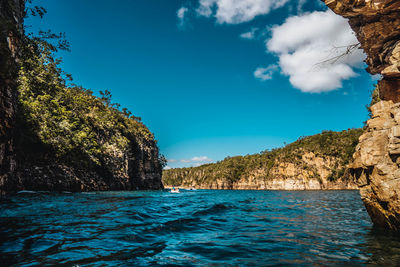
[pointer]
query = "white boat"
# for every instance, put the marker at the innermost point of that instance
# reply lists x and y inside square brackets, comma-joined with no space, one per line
[175,190]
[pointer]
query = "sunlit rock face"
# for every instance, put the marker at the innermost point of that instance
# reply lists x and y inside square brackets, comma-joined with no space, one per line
[377,27]
[377,158]
[376,165]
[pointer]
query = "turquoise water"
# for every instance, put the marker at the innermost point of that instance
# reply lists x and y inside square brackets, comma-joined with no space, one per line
[193,228]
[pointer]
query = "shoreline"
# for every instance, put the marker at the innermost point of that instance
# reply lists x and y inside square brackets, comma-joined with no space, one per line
[168,187]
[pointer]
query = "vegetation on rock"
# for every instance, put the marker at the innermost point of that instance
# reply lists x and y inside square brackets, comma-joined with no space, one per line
[69,121]
[62,130]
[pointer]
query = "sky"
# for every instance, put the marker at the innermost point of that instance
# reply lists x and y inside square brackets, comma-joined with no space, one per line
[217,78]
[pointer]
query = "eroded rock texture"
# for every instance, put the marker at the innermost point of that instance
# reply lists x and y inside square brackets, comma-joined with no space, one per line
[376,166]
[11,18]
[136,168]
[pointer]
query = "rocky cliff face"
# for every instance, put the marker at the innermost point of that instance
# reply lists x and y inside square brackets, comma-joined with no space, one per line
[127,171]
[134,168]
[376,166]
[11,18]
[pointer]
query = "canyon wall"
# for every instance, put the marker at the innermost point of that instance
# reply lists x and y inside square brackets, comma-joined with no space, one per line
[63,138]
[376,166]
[136,167]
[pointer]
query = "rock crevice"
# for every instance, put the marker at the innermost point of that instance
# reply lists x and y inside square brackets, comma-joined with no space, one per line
[11,19]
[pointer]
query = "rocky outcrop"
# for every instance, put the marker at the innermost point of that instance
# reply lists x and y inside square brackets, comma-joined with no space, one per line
[11,18]
[377,27]
[144,167]
[376,165]
[376,160]
[135,168]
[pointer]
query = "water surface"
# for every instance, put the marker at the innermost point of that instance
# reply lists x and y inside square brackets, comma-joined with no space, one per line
[203,227]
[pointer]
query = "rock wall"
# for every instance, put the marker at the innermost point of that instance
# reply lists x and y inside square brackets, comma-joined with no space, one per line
[11,18]
[376,165]
[311,172]
[144,168]
[137,168]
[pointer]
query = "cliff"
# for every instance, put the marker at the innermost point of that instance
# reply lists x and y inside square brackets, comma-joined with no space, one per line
[314,162]
[61,137]
[376,160]
[11,18]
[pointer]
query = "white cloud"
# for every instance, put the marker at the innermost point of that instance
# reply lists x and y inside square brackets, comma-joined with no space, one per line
[181,13]
[196,159]
[201,159]
[265,73]
[171,160]
[250,35]
[309,49]
[167,168]
[237,11]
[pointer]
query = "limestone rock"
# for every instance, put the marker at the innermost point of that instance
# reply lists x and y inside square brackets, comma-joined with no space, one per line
[376,166]
[377,157]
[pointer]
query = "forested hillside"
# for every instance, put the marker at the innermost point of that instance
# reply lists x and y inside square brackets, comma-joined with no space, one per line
[314,161]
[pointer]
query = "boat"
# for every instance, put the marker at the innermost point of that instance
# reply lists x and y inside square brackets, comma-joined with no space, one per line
[174,190]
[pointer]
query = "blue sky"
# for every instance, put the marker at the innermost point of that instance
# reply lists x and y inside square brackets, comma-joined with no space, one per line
[187,70]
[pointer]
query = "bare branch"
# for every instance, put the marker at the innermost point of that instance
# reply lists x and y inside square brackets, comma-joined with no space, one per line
[349,49]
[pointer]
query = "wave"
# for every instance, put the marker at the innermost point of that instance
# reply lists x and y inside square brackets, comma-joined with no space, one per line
[216,208]
[27,192]
[179,225]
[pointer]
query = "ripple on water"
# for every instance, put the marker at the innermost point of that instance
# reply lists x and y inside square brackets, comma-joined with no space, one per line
[193,228]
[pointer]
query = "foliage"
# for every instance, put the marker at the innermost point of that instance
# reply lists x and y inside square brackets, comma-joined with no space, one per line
[163,160]
[69,122]
[340,145]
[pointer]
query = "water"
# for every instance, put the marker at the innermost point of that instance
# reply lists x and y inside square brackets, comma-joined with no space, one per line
[203,227]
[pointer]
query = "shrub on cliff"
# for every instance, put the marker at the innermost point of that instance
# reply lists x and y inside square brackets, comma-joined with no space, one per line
[69,122]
